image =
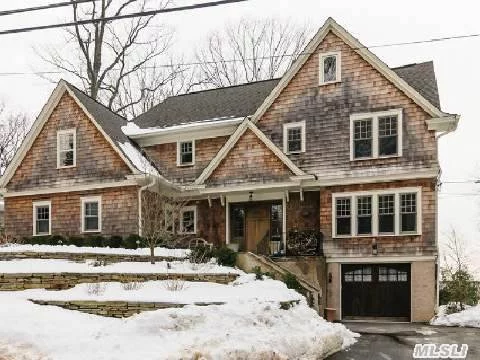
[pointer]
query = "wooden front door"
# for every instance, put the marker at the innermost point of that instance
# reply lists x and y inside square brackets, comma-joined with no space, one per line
[258,226]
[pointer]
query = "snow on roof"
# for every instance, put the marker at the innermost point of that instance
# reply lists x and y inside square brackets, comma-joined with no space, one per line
[132,129]
[137,159]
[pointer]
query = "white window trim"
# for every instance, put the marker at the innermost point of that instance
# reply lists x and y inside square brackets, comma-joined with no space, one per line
[34,222]
[338,75]
[375,116]
[84,200]
[286,127]
[184,210]
[179,163]
[375,193]
[63,132]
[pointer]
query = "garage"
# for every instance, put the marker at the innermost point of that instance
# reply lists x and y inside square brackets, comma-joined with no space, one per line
[376,291]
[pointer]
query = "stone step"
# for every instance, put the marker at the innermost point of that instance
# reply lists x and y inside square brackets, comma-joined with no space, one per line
[61,281]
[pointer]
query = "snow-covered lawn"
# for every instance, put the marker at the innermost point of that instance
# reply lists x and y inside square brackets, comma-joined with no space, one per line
[57,266]
[469,317]
[181,253]
[250,325]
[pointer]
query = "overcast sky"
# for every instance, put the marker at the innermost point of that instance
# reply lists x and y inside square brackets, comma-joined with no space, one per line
[372,22]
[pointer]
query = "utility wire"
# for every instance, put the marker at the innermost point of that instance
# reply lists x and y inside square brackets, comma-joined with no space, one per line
[44,7]
[120,17]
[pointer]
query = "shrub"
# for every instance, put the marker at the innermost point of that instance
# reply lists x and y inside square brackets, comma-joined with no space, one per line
[94,241]
[57,240]
[259,274]
[225,256]
[76,240]
[459,288]
[132,286]
[130,242]
[200,254]
[114,241]
[292,283]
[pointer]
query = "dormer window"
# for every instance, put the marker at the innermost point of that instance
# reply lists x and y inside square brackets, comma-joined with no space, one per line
[66,148]
[294,137]
[330,68]
[185,153]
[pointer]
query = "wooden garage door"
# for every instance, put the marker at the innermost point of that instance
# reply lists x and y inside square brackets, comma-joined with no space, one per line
[376,291]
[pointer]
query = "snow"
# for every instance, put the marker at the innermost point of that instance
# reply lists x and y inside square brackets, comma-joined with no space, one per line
[180,253]
[65,266]
[469,317]
[137,159]
[250,326]
[132,129]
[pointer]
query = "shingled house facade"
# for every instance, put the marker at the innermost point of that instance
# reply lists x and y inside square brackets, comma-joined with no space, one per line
[341,150]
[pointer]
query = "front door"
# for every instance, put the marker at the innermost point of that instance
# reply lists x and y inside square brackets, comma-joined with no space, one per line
[376,291]
[258,229]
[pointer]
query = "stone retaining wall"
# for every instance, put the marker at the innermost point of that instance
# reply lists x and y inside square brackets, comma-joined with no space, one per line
[79,257]
[118,309]
[122,309]
[60,281]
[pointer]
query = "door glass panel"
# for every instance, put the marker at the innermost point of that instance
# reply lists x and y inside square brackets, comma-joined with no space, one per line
[237,227]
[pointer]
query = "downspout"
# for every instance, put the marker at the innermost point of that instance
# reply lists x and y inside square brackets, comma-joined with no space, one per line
[140,190]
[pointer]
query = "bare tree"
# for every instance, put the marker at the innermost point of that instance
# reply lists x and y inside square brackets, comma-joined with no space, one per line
[107,57]
[13,129]
[250,50]
[455,256]
[160,218]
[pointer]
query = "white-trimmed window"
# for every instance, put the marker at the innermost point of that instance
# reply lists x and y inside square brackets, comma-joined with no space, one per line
[185,153]
[42,218]
[91,214]
[377,213]
[188,220]
[376,135]
[66,148]
[294,137]
[330,68]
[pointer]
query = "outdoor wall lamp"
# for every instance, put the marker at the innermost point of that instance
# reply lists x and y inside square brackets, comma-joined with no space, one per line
[374,247]
[250,196]
[330,277]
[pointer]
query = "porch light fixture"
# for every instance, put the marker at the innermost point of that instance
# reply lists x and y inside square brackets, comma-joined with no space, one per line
[250,196]
[374,247]
[330,277]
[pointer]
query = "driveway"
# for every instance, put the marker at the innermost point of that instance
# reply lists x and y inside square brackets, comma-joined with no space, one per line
[389,341]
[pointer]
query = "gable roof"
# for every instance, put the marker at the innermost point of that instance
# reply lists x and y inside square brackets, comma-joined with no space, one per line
[242,128]
[208,105]
[106,121]
[332,26]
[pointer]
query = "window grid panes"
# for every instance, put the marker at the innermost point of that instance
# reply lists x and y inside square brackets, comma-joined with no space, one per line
[362,135]
[330,68]
[386,274]
[186,153]
[188,221]
[408,212]
[294,139]
[66,149]
[386,214]
[359,275]
[387,135]
[364,214]
[343,218]
[42,219]
[91,216]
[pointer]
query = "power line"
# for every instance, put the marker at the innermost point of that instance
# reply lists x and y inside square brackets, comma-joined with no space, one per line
[44,7]
[120,17]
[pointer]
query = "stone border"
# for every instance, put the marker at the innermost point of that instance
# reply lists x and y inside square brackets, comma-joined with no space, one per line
[61,281]
[80,257]
[122,309]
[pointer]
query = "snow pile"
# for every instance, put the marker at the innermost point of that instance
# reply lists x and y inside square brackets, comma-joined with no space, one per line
[58,266]
[468,318]
[245,288]
[249,326]
[180,253]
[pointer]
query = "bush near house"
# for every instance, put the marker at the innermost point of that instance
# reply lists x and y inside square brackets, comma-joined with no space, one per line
[459,289]
[203,254]
[130,242]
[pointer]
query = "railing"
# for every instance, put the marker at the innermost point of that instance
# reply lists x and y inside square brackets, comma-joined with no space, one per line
[304,243]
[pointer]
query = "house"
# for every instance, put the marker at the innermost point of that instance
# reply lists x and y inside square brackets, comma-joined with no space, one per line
[338,160]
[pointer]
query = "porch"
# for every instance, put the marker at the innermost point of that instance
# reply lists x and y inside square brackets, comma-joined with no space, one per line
[275,224]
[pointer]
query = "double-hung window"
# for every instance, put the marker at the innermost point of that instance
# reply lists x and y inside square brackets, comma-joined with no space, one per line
[66,148]
[42,218]
[294,137]
[377,213]
[188,220]
[185,153]
[91,214]
[376,135]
